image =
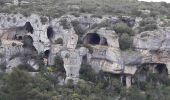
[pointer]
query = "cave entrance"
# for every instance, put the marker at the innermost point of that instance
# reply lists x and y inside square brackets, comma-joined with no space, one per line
[92,38]
[20,38]
[59,41]
[28,27]
[161,69]
[158,68]
[150,72]
[50,32]
[46,53]
[95,39]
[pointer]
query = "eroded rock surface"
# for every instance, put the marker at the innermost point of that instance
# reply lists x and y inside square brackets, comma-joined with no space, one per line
[98,45]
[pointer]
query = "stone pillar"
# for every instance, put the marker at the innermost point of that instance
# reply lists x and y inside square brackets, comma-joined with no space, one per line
[72,72]
[16,2]
[128,81]
[168,67]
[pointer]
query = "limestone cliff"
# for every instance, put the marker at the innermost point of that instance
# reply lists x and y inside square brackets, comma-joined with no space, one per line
[99,44]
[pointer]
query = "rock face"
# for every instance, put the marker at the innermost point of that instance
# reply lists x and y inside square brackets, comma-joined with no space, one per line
[154,46]
[106,55]
[99,46]
[72,62]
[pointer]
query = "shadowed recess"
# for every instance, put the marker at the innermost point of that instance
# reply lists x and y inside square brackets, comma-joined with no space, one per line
[50,32]
[29,27]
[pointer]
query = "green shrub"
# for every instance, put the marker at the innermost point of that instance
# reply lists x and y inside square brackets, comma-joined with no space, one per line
[135,94]
[19,85]
[87,73]
[136,12]
[123,28]
[147,24]
[44,20]
[26,67]
[125,41]
[59,64]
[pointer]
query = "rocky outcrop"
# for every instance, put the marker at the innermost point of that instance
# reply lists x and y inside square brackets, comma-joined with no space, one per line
[99,45]
[154,46]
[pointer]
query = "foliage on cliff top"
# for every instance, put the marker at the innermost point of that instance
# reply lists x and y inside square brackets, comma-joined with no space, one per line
[56,8]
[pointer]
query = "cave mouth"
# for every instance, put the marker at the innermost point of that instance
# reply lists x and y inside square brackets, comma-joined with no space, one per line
[150,72]
[29,27]
[93,39]
[46,53]
[20,38]
[161,69]
[50,32]
[59,41]
[158,68]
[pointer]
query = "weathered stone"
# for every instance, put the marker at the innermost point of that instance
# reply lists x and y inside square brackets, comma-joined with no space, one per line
[58,36]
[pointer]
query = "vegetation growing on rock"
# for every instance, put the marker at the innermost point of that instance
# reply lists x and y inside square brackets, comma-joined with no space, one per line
[114,27]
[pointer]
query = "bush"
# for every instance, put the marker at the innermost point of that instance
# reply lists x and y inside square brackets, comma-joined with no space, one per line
[44,20]
[136,12]
[125,41]
[87,73]
[135,94]
[17,86]
[26,67]
[59,64]
[147,24]
[123,28]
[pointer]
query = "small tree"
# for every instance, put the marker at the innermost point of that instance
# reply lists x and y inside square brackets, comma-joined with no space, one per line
[125,41]
[121,28]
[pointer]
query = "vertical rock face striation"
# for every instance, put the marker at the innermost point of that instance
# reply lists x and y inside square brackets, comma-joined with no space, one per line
[99,45]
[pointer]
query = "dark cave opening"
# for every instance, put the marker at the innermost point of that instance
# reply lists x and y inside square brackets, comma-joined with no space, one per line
[149,70]
[161,69]
[20,38]
[29,27]
[123,80]
[84,59]
[59,41]
[95,39]
[92,38]
[46,53]
[50,32]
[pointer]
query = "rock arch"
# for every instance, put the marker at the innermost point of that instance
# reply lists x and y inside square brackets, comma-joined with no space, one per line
[92,38]
[95,39]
